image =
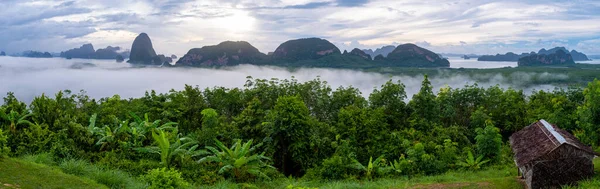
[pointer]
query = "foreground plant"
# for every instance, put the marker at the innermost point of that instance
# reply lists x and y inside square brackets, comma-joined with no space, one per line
[373,168]
[15,119]
[167,150]
[239,160]
[471,163]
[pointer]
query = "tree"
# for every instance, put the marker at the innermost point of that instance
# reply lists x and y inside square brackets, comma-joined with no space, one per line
[344,97]
[391,98]
[289,129]
[425,108]
[554,107]
[249,122]
[589,114]
[488,141]
[365,129]
[213,127]
[239,161]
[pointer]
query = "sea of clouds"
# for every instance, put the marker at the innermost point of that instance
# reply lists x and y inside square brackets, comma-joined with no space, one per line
[30,77]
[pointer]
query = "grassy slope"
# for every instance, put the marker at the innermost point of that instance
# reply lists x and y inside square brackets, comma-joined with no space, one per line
[32,175]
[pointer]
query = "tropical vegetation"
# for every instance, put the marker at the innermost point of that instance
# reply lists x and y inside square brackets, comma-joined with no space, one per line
[274,130]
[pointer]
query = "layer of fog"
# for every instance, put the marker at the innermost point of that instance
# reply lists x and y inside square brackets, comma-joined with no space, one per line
[28,77]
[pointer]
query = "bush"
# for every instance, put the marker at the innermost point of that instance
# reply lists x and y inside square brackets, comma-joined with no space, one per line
[336,167]
[200,173]
[4,150]
[137,168]
[33,139]
[163,178]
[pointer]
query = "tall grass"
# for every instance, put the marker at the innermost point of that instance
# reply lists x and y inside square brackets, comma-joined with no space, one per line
[112,178]
[43,158]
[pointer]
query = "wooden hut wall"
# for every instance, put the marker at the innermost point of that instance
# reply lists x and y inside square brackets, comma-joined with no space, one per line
[560,172]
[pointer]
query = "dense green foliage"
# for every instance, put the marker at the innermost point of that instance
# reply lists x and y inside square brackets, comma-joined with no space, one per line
[4,150]
[163,178]
[306,129]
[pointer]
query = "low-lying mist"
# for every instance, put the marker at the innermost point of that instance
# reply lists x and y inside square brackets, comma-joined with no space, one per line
[28,78]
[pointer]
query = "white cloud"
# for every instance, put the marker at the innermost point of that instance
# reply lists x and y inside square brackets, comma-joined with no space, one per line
[177,25]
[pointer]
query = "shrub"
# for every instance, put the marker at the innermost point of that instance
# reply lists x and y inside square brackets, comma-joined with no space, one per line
[336,167]
[200,173]
[139,167]
[4,150]
[448,152]
[163,178]
[33,139]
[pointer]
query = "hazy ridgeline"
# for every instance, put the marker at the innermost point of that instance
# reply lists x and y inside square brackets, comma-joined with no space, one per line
[28,78]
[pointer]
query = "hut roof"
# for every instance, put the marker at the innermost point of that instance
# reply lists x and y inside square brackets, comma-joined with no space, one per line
[539,139]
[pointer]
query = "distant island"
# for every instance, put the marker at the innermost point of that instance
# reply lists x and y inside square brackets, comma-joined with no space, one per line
[87,51]
[383,51]
[308,52]
[227,53]
[554,58]
[142,52]
[304,52]
[36,54]
[512,57]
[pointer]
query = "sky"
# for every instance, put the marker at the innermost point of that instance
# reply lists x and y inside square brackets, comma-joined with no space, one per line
[175,26]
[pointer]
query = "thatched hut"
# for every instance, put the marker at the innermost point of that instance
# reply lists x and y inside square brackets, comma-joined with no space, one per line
[548,156]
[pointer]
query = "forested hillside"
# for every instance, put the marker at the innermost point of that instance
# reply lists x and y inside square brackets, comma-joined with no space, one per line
[271,128]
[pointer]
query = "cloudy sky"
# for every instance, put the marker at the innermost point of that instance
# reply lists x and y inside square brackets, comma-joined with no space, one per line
[175,26]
